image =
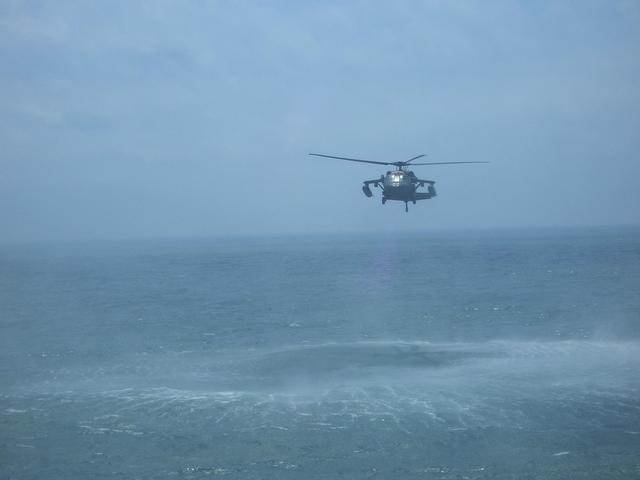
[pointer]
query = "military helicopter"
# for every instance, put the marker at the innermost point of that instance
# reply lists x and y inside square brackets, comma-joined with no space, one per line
[399,184]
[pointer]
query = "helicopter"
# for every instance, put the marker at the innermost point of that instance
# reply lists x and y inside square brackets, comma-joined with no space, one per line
[400,184]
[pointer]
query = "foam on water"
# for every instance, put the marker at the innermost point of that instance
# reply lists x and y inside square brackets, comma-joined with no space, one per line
[505,404]
[359,378]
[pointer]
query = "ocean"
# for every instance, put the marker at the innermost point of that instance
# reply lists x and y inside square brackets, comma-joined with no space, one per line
[435,355]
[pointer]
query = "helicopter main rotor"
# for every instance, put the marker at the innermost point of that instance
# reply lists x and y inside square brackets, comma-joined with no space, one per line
[401,184]
[400,165]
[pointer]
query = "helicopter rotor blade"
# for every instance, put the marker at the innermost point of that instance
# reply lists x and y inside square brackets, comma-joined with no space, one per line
[414,158]
[444,163]
[351,159]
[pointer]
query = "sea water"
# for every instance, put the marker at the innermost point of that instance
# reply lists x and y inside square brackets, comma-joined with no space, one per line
[505,354]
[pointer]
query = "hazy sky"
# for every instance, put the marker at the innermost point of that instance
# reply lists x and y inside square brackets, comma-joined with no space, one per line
[171,118]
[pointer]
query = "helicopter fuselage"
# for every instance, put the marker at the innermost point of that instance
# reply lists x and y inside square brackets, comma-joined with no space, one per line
[399,185]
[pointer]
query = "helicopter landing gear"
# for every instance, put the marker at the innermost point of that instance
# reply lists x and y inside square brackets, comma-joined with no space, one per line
[406,206]
[384,200]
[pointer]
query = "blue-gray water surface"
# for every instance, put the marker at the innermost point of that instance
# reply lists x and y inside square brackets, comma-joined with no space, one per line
[436,356]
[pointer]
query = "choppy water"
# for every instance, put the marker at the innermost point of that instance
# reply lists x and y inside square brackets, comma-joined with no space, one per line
[493,355]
